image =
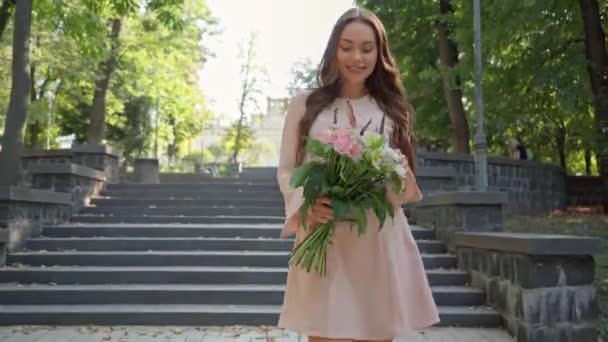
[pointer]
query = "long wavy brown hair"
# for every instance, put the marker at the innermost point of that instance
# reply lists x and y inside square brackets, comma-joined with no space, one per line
[384,85]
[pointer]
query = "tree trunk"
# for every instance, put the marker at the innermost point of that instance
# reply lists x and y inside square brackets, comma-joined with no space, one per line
[6,11]
[96,130]
[597,66]
[34,133]
[448,55]
[239,127]
[12,141]
[587,161]
[560,142]
[33,128]
[248,83]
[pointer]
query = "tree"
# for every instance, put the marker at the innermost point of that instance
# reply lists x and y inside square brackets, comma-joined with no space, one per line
[157,59]
[97,123]
[597,66]
[12,140]
[6,10]
[166,11]
[253,78]
[303,76]
[534,78]
[251,150]
[448,56]
[411,27]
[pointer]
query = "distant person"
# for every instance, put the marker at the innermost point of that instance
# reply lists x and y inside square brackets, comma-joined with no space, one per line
[518,150]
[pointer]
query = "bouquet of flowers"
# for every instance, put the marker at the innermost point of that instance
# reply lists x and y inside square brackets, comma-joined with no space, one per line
[354,170]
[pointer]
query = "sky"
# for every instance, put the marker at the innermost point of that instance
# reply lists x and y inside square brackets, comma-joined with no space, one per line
[287,30]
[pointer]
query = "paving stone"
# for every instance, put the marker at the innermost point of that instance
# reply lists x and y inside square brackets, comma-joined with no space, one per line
[218,334]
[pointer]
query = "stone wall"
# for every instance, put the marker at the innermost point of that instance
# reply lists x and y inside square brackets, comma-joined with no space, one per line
[584,190]
[24,212]
[542,285]
[81,182]
[532,188]
[450,212]
[99,157]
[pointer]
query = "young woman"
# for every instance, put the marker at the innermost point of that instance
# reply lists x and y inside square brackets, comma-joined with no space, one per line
[376,287]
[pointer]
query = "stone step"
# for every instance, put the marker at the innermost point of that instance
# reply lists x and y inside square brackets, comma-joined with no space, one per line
[181,258]
[215,294]
[166,244]
[171,243]
[169,202]
[118,210]
[183,230]
[237,184]
[89,218]
[190,178]
[195,194]
[182,244]
[116,314]
[178,275]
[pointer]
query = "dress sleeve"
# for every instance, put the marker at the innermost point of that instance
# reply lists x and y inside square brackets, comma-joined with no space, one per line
[411,193]
[293,198]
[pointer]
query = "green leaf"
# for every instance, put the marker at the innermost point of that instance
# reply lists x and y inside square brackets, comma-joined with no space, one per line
[340,207]
[300,174]
[360,218]
[315,147]
[380,209]
[337,190]
[391,209]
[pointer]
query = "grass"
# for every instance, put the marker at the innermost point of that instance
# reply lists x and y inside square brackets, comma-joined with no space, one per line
[580,222]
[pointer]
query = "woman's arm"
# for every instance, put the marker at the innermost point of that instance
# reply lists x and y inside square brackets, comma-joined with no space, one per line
[411,192]
[287,162]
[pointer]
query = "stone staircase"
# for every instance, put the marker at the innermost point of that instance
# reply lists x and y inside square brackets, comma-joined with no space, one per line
[185,254]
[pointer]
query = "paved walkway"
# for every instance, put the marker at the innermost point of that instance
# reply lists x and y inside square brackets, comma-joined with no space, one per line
[215,334]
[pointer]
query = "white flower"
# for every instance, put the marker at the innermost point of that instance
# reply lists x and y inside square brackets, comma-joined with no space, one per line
[400,158]
[400,170]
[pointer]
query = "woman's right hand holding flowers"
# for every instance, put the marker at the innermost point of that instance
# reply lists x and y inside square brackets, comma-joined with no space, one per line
[320,212]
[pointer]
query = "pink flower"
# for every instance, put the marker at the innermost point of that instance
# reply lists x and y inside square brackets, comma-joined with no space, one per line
[342,144]
[346,144]
[356,151]
[328,136]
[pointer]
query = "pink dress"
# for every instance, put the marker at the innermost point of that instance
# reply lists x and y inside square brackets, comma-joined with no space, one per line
[376,286]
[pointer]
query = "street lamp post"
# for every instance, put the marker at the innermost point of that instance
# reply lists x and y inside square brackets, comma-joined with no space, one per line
[481,156]
[156,127]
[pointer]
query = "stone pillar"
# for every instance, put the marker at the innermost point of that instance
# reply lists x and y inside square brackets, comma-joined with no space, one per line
[100,157]
[542,285]
[3,245]
[80,181]
[146,171]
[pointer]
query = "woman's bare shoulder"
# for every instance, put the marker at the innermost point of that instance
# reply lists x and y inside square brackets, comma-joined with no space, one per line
[297,104]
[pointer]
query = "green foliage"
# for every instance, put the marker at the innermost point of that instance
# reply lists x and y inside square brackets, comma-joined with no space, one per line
[303,76]
[535,82]
[251,150]
[161,52]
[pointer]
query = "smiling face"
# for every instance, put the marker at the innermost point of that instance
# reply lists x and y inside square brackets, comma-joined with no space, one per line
[357,52]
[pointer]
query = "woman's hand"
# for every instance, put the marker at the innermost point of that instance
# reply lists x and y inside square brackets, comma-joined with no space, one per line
[320,212]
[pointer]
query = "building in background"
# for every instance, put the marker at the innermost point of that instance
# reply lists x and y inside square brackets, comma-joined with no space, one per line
[267,130]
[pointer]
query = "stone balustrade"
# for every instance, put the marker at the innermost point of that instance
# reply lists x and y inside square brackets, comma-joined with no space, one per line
[24,212]
[99,157]
[456,211]
[79,181]
[532,188]
[542,285]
